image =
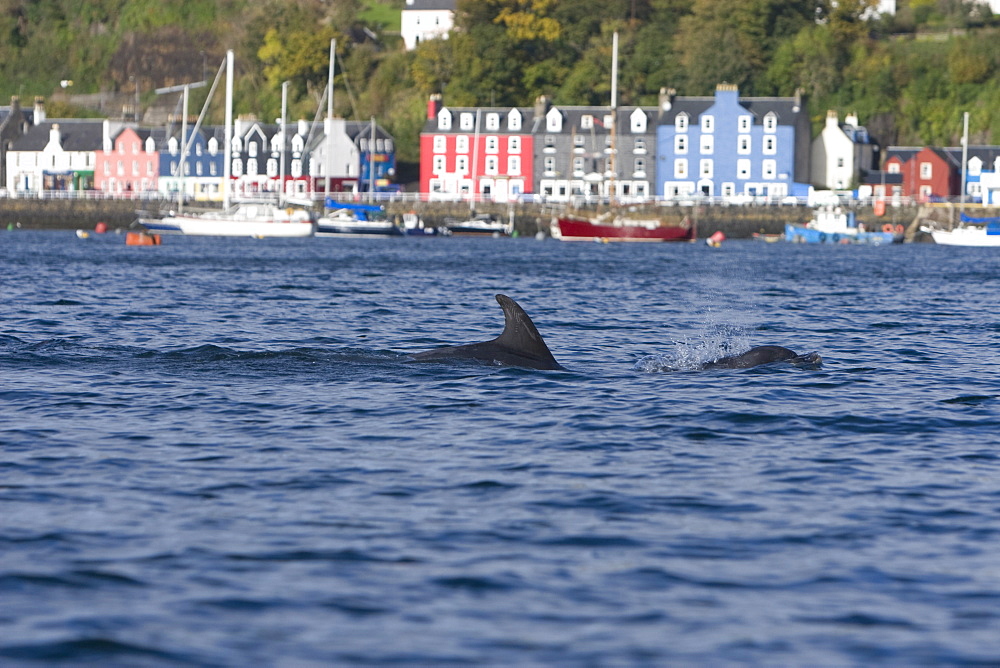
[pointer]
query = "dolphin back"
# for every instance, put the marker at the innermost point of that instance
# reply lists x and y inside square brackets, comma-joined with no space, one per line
[753,357]
[520,344]
[521,337]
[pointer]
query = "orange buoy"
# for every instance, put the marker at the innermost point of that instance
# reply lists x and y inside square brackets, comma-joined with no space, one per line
[141,239]
[101,228]
[887,228]
[880,207]
[899,229]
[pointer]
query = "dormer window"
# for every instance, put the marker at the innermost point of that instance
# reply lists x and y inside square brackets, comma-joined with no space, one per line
[770,122]
[708,123]
[586,122]
[172,146]
[514,120]
[638,120]
[745,123]
[553,121]
[465,121]
[444,120]
[493,121]
[681,123]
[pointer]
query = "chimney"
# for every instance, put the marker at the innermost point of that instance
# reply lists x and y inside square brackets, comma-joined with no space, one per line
[303,127]
[800,95]
[851,119]
[433,106]
[667,96]
[55,137]
[542,106]
[106,128]
[832,119]
[39,110]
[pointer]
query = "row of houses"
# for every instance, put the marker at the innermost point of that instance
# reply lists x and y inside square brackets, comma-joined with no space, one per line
[721,148]
[118,158]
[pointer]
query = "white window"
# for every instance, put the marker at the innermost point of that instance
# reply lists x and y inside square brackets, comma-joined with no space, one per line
[492,144]
[680,168]
[744,123]
[926,170]
[893,168]
[578,140]
[439,164]
[462,164]
[252,149]
[768,168]
[743,168]
[549,164]
[681,123]
[514,120]
[770,122]
[707,123]
[640,165]
[578,166]
[770,145]
[466,121]
[514,165]
[638,121]
[586,122]
[707,144]
[705,168]
[513,144]
[743,145]
[680,144]
[492,164]
[640,145]
[461,144]
[553,121]
[440,144]
[493,121]
[444,120]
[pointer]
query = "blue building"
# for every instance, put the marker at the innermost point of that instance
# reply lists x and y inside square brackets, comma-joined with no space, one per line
[749,149]
[203,166]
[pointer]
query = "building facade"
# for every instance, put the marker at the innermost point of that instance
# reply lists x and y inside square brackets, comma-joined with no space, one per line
[731,147]
[480,154]
[54,155]
[842,153]
[128,164]
[422,20]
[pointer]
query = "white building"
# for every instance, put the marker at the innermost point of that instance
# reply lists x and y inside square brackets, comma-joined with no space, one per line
[841,153]
[426,19]
[54,156]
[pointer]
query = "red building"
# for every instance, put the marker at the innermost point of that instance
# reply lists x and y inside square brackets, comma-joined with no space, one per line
[482,153]
[129,164]
[926,172]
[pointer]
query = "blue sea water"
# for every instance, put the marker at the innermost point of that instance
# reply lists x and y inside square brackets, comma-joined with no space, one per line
[217,453]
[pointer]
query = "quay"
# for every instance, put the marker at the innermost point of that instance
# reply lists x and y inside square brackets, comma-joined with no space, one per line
[735,221]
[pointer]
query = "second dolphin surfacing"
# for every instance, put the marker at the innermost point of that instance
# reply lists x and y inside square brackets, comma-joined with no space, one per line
[764,355]
[519,345]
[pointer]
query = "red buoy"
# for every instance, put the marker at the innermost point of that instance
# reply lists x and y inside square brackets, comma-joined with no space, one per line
[101,228]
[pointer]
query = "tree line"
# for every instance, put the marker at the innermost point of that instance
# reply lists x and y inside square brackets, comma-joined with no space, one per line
[909,76]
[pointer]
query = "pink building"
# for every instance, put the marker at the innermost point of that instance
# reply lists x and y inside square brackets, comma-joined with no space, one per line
[129,163]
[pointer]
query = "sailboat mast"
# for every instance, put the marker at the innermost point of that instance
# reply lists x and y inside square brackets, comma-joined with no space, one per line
[184,150]
[613,157]
[371,164]
[281,136]
[227,163]
[329,116]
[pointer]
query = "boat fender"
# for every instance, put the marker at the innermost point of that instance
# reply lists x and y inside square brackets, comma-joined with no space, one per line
[836,238]
[899,229]
[822,237]
[887,228]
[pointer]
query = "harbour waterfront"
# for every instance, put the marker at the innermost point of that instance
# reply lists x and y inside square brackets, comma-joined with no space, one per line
[736,222]
[217,452]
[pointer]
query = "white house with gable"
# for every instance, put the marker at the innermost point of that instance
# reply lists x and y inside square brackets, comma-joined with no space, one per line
[426,19]
[841,153]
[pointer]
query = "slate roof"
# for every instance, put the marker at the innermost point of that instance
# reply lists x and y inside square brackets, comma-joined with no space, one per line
[426,5]
[783,108]
[76,135]
[527,118]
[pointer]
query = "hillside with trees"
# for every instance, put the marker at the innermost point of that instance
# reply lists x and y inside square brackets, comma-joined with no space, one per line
[910,77]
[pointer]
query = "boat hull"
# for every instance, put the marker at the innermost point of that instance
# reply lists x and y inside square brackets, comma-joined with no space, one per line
[206,227]
[966,236]
[568,228]
[801,234]
[357,231]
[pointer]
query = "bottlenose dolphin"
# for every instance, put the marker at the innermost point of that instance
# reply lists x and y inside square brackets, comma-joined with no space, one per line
[764,355]
[520,344]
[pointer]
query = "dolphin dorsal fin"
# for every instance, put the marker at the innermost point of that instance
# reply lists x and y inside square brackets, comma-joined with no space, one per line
[520,335]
